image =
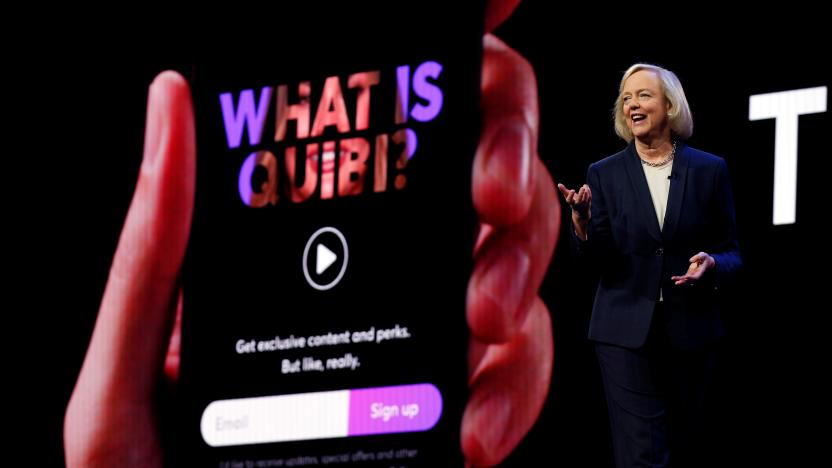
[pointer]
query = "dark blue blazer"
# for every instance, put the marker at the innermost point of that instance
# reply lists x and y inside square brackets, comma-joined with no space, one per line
[635,258]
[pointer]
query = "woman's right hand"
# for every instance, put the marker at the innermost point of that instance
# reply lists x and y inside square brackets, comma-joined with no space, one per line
[579,201]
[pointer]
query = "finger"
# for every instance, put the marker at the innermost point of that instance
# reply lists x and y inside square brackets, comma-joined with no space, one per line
[127,350]
[580,198]
[696,274]
[508,389]
[503,175]
[692,268]
[510,266]
[498,11]
[698,258]
[564,191]
[570,200]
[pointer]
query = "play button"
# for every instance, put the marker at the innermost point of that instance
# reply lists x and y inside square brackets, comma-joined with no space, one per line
[326,255]
[326,258]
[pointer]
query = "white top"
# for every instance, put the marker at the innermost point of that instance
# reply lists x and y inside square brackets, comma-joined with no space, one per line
[659,183]
[658,180]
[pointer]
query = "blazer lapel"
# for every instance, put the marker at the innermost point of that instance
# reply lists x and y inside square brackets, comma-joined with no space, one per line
[637,178]
[678,178]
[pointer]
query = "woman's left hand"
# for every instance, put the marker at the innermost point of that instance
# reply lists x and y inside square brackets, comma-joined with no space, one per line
[699,264]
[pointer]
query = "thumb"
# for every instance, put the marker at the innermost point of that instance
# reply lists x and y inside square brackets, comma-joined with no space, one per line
[126,353]
[698,258]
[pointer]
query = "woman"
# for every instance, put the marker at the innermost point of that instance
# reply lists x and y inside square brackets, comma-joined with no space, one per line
[658,220]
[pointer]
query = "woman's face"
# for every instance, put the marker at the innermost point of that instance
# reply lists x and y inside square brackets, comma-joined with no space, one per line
[320,162]
[645,106]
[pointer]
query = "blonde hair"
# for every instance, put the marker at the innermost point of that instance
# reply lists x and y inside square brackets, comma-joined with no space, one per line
[679,116]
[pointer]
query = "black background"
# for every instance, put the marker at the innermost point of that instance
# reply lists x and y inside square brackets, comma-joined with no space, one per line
[88,97]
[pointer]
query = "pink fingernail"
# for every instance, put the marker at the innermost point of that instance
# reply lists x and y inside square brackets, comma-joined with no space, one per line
[506,278]
[154,127]
[510,155]
[499,410]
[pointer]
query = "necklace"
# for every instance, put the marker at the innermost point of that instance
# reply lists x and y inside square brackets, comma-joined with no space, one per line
[664,161]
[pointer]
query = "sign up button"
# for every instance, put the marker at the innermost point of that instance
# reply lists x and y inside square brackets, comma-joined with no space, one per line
[405,408]
[321,415]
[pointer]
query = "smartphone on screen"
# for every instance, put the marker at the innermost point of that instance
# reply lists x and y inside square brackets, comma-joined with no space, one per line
[331,245]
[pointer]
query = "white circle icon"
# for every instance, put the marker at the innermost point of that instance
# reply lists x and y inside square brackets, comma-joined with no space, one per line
[325,258]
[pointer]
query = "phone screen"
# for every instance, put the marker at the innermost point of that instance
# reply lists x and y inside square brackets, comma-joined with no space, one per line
[326,273]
